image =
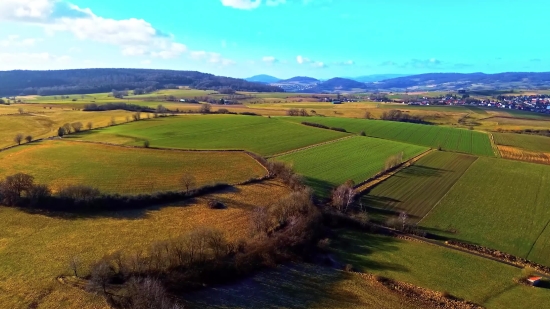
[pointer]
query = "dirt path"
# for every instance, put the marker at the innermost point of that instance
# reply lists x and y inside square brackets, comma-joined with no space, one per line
[310,146]
[372,182]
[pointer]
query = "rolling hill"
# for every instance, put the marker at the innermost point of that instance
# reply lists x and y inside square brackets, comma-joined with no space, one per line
[264,79]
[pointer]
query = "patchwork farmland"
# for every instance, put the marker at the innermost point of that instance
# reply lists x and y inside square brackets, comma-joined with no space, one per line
[533,143]
[418,188]
[356,158]
[500,204]
[450,139]
[115,169]
[265,136]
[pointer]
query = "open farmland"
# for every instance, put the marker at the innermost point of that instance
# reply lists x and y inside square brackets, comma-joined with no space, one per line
[124,170]
[519,154]
[301,286]
[45,124]
[459,140]
[265,136]
[485,282]
[418,188]
[356,158]
[35,249]
[535,143]
[498,203]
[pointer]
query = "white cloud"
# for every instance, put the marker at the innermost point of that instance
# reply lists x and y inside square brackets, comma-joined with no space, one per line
[242,4]
[270,59]
[32,61]
[344,63]
[212,58]
[16,41]
[302,60]
[319,64]
[174,51]
[27,10]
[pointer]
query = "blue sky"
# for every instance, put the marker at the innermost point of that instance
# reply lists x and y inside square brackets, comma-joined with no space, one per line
[284,38]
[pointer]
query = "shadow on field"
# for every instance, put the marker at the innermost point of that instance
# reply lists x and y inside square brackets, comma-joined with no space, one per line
[322,188]
[423,171]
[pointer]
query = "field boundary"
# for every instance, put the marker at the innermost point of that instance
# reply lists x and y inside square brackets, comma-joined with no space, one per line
[450,189]
[382,176]
[309,147]
[494,145]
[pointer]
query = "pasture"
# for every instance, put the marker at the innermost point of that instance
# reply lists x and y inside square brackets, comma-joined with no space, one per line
[500,204]
[535,143]
[450,139]
[418,188]
[36,248]
[265,136]
[485,282]
[124,170]
[357,158]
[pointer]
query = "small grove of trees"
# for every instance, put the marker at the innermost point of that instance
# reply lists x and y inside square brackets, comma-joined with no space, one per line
[18,138]
[344,196]
[89,125]
[297,112]
[205,108]
[368,115]
[286,174]
[119,94]
[397,115]
[393,161]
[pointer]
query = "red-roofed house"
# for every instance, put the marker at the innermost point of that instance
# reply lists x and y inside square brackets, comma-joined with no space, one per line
[534,281]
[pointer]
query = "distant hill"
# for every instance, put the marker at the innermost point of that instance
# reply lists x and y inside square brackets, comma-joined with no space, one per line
[264,79]
[338,84]
[13,83]
[471,81]
[375,77]
[300,79]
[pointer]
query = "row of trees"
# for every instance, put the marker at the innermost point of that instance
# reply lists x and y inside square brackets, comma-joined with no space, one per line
[19,137]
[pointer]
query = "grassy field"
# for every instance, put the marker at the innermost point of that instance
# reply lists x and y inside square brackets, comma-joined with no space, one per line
[124,170]
[356,158]
[519,154]
[262,135]
[418,188]
[46,124]
[480,280]
[450,139]
[300,286]
[35,249]
[500,204]
[535,143]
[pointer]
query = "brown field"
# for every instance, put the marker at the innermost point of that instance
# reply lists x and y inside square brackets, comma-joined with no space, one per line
[519,154]
[34,248]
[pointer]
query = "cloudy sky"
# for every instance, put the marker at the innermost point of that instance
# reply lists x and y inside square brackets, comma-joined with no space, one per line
[284,38]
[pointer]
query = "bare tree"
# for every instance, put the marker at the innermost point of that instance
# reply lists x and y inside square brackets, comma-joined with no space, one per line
[136,116]
[89,125]
[74,264]
[368,115]
[205,108]
[113,121]
[149,293]
[67,127]
[12,187]
[100,276]
[403,219]
[77,126]
[18,138]
[21,111]
[344,196]
[188,181]
[28,138]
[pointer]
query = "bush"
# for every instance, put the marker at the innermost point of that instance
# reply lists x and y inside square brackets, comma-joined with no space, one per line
[362,133]
[249,114]
[214,204]
[223,111]
[79,193]
[317,125]
[348,268]
[339,129]
[146,144]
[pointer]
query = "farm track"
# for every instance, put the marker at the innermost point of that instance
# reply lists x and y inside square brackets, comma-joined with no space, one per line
[309,147]
[372,182]
[496,150]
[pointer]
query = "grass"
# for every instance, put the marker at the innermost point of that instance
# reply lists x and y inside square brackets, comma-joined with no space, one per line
[124,170]
[418,188]
[300,286]
[35,248]
[519,154]
[261,135]
[535,143]
[473,278]
[356,158]
[46,123]
[500,204]
[451,139]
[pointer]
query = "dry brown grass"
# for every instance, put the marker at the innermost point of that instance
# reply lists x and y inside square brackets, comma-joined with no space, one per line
[35,249]
[519,154]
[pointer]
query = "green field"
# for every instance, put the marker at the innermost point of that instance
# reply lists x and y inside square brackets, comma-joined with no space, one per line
[524,141]
[473,278]
[450,139]
[356,158]
[265,136]
[418,188]
[500,204]
[124,170]
[300,286]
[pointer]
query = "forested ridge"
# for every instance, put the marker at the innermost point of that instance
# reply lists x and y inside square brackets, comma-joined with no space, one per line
[84,81]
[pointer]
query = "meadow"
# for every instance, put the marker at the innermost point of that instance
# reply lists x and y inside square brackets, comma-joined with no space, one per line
[534,143]
[519,154]
[450,139]
[122,170]
[265,136]
[485,282]
[500,204]
[357,158]
[418,188]
[36,248]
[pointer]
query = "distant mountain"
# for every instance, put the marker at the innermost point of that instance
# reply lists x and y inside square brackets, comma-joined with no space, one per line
[264,79]
[84,81]
[338,84]
[300,79]
[376,77]
[471,81]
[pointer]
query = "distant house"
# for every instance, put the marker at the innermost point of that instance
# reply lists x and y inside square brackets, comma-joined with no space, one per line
[336,102]
[534,281]
[182,100]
